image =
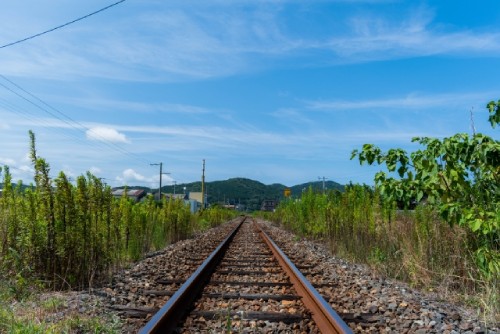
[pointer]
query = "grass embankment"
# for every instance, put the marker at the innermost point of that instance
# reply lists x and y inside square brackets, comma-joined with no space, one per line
[414,246]
[72,237]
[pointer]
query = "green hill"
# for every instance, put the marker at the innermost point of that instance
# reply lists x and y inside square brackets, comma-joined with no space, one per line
[246,192]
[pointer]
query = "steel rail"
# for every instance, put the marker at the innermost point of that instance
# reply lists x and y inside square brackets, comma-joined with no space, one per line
[166,319]
[327,320]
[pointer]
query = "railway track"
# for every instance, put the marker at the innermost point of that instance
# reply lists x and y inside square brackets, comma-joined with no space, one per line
[257,297]
[247,284]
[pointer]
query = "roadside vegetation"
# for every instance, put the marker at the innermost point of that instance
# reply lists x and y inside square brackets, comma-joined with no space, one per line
[37,313]
[433,219]
[56,235]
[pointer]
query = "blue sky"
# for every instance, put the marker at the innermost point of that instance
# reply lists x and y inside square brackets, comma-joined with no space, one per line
[276,91]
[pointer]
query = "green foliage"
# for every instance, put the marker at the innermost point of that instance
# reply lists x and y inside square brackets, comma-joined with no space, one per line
[30,314]
[458,175]
[494,110]
[215,216]
[70,235]
[328,215]
[415,246]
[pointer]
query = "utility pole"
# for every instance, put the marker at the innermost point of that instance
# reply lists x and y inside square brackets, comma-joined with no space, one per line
[323,178]
[203,187]
[161,173]
[100,178]
[174,182]
[472,121]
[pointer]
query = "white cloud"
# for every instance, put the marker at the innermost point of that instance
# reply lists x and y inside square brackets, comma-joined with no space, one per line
[7,161]
[25,168]
[95,170]
[106,134]
[130,176]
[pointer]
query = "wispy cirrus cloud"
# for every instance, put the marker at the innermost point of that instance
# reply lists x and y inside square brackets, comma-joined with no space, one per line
[410,101]
[371,38]
[293,116]
[176,42]
[101,103]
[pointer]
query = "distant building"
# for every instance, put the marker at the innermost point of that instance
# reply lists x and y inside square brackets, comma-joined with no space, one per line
[168,196]
[135,194]
[269,205]
[194,198]
[176,196]
[193,195]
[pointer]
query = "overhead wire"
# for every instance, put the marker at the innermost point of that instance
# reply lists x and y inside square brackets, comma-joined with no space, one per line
[44,122]
[53,111]
[68,121]
[62,25]
[25,113]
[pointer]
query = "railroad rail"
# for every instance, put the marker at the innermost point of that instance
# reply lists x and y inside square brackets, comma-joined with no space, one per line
[247,254]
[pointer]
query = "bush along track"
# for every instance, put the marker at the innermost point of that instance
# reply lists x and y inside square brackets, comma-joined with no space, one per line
[432,219]
[459,176]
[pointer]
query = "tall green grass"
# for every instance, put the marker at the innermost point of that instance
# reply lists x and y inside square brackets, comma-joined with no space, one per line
[415,246]
[72,235]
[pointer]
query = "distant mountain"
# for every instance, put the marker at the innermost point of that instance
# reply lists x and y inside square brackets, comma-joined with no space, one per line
[316,186]
[15,185]
[248,192]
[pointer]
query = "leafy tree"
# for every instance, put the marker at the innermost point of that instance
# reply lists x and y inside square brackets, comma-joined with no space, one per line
[459,175]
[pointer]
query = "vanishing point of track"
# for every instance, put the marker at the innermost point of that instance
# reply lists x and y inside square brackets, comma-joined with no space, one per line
[247,278]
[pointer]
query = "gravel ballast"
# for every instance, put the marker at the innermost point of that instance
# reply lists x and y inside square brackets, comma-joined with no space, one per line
[366,301]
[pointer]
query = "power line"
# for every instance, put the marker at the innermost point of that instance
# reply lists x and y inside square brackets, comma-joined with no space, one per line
[67,120]
[44,122]
[62,25]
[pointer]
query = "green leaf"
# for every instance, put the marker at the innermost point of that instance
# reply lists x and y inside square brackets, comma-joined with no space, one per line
[476,225]
[420,195]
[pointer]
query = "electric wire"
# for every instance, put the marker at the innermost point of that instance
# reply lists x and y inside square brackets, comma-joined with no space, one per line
[25,113]
[69,122]
[62,25]
[44,122]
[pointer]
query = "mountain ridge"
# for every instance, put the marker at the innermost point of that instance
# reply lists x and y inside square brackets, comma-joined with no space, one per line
[238,190]
[248,192]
